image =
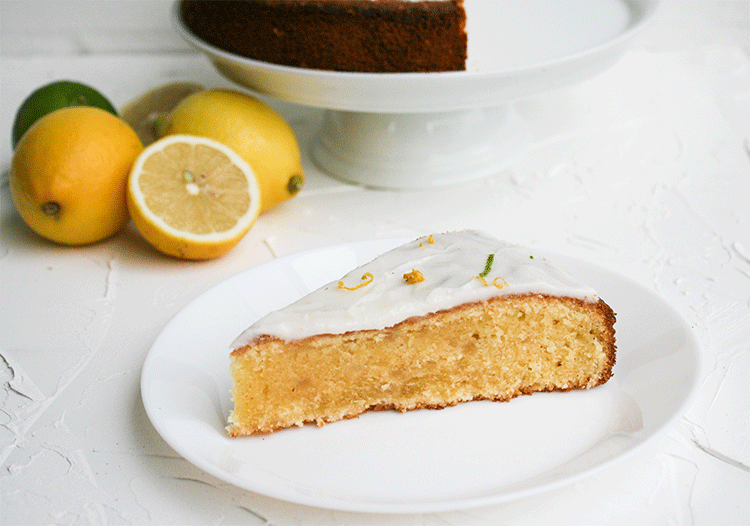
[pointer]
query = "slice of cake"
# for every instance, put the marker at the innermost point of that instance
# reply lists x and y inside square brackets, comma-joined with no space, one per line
[338,35]
[444,319]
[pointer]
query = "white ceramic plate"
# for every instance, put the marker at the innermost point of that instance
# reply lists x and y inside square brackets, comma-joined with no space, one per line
[518,49]
[469,455]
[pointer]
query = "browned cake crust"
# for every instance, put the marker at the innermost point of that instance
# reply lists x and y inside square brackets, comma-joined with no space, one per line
[338,35]
[493,350]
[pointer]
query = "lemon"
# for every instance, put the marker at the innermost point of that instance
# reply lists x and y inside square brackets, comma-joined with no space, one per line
[192,197]
[143,111]
[54,96]
[252,129]
[68,174]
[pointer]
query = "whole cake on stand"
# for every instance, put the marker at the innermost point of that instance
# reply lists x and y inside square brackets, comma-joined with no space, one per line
[374,36]
[394,123]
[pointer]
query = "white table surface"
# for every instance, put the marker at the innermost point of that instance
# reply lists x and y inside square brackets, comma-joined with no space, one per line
[644,169]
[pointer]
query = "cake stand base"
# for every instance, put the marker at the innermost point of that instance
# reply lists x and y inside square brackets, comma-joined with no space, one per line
[418,150]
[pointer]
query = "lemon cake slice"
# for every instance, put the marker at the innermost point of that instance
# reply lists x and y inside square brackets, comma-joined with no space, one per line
[443,319]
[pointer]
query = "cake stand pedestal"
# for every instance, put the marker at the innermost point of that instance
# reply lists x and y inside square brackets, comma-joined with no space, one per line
[418,150]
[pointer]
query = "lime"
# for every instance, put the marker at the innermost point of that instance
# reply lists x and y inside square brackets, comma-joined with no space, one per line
[59,94]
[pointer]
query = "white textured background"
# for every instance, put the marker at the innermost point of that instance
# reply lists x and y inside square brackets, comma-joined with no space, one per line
[644,169]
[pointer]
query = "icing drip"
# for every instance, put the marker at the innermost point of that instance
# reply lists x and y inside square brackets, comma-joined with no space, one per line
[455,267]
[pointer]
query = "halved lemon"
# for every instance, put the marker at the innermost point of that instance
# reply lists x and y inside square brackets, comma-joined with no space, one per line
[192,197]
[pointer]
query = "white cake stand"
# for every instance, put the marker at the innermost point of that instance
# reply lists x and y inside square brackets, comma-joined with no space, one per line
[417,130]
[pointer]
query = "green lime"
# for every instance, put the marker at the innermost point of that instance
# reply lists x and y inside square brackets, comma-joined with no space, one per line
[59,94]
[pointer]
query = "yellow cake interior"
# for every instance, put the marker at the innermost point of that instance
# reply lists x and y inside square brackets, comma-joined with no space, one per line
[495,349]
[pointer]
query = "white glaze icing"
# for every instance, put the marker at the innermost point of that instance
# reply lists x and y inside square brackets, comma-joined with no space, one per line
[450,266]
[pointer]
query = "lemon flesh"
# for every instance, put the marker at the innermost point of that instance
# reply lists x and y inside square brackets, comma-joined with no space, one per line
[192,197]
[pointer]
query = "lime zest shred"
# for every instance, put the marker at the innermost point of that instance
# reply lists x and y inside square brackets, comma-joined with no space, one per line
[413,277]
[488,265]
[367,278]
[487,268]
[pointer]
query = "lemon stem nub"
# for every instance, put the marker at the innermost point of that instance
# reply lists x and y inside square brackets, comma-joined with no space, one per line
[50,208]
[295,184]
[159,124]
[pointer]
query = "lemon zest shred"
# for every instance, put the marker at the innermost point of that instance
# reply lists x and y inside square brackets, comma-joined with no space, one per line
[501,285]
[430,240]
[367,278]
[481,278]
[413,277]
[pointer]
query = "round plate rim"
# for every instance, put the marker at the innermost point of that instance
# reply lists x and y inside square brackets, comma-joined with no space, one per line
[331,502]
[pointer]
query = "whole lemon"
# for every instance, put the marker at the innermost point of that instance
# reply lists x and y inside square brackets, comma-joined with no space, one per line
[252,129]
[69,173]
